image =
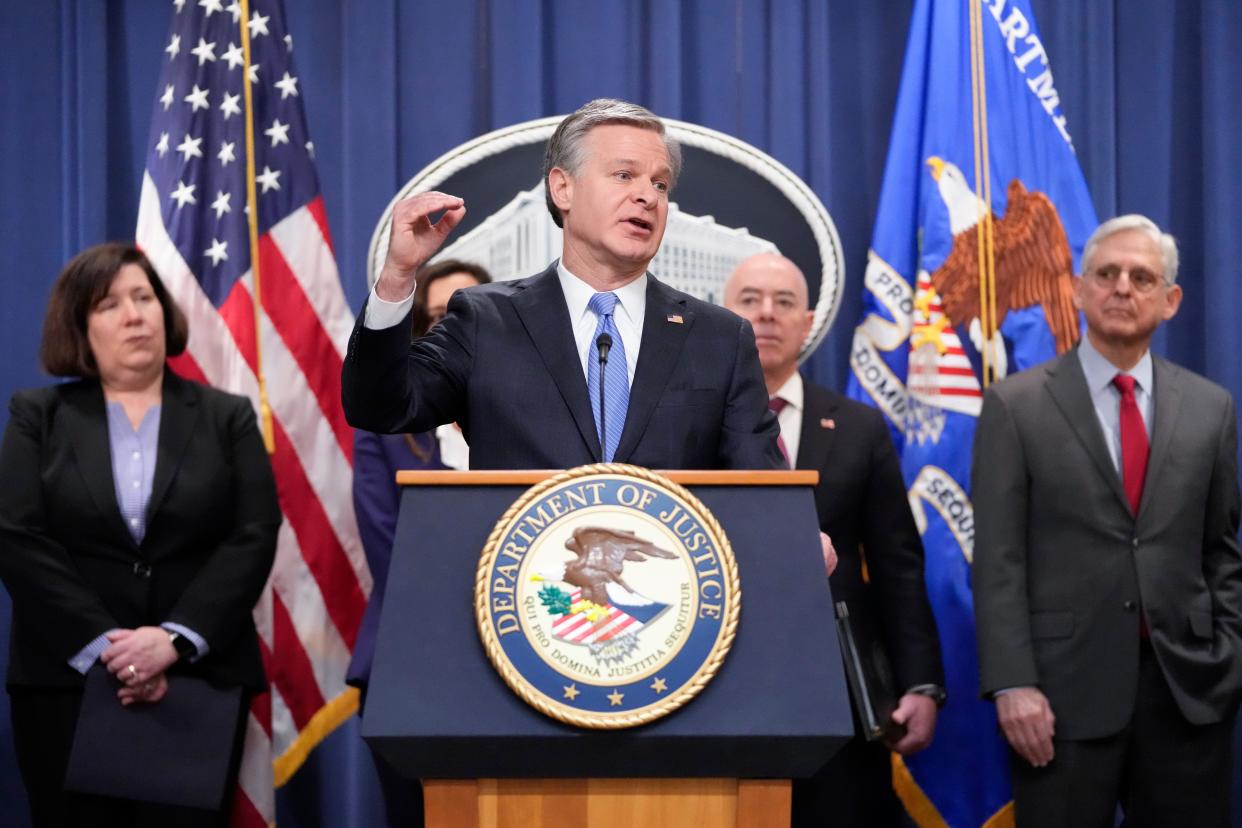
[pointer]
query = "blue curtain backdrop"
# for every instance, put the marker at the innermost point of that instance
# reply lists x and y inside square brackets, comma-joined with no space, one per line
[1151,90]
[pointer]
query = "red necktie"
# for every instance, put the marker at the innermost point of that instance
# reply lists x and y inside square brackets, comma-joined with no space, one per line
[1133,442]
[776,405]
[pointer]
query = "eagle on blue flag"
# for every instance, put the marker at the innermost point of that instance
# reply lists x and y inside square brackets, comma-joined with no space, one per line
[1033,262]
[983,213]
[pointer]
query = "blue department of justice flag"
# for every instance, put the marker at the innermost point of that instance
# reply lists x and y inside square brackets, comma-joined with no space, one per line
[968,279]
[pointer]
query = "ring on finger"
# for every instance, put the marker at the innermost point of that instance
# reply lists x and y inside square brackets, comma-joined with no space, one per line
[133,671]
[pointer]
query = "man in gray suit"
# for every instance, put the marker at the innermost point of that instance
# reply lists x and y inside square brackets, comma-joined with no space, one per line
[1107,575]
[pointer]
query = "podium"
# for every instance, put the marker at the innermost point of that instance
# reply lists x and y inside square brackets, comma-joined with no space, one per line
[437,710]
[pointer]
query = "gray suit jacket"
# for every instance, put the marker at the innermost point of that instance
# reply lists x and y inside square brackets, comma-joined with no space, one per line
[1062,565]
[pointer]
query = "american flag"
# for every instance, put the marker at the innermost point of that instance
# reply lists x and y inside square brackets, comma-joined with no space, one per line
[193,223]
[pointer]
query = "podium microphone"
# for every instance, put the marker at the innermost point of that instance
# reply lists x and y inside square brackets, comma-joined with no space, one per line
[603,344]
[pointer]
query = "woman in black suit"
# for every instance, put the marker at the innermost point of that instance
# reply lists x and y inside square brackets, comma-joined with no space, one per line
[138,522]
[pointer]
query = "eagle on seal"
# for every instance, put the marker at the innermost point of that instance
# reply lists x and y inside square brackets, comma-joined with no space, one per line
[602,554]
[1033,261]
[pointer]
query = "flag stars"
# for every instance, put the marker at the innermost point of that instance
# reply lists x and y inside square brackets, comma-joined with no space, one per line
[288,43]
[218,252]
[168,97]
[204,51]
[310,148]
[174,46]
[189,147]
[210,6]
[229,106]
[258,25]
[162,146]
[288,85]
[254,73]
[178,5]
[234,9]
[233,56]
[197,99]
[615,697]
[221,204]
[226,153]
[184,194]
[278,132]
[268,179]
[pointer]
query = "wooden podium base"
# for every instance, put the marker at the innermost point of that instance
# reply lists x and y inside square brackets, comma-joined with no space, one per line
[606,803]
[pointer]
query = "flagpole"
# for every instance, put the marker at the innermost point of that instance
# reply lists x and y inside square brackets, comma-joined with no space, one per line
[989,260]
[252,223]
[983,194]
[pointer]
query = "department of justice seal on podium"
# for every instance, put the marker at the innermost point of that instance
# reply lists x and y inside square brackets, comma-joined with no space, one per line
[607,596]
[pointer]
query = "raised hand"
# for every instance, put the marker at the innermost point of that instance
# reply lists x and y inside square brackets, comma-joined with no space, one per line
[414,239]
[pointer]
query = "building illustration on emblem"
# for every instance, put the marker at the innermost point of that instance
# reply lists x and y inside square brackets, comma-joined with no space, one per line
[520,239]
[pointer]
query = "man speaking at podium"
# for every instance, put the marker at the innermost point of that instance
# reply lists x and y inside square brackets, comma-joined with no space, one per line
[593,359]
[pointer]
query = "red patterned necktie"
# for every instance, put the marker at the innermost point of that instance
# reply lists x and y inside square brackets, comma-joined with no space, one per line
[1133,442]
[776,405]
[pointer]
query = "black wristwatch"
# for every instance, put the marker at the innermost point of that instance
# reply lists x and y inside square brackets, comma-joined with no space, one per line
[933,691]
[185,647]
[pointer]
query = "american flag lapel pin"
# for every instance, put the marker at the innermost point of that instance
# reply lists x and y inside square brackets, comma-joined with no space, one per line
[828,422]
[675,318]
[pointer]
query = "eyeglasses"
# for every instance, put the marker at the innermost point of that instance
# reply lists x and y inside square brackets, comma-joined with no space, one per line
[1141,279]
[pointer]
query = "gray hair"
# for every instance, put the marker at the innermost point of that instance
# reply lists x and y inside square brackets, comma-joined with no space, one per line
[1133,221]
[566,150]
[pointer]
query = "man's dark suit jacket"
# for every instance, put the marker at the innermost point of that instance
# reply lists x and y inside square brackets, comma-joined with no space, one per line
[862,505]
[1062,564]
[503,365]
[70,564]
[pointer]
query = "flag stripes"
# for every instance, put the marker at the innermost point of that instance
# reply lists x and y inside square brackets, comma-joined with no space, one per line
[193,223]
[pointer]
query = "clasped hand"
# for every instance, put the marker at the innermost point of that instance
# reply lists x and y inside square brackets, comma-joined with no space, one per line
[139,658]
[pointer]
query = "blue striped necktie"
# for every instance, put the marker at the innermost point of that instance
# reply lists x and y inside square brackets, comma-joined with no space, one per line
[616,375]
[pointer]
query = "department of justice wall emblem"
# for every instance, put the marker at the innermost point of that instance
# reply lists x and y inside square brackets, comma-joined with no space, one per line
[607,596]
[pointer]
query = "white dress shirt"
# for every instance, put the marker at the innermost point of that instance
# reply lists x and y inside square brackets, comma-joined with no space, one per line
[790,418]
[380,313]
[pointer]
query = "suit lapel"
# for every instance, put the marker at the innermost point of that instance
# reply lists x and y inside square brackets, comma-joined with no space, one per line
[86,421]
[178,417]
[540,304]
[657,358]
[1068,386]
[1167,403]
[816,439]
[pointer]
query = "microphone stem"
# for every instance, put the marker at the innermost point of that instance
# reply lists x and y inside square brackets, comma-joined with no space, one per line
[603,426]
